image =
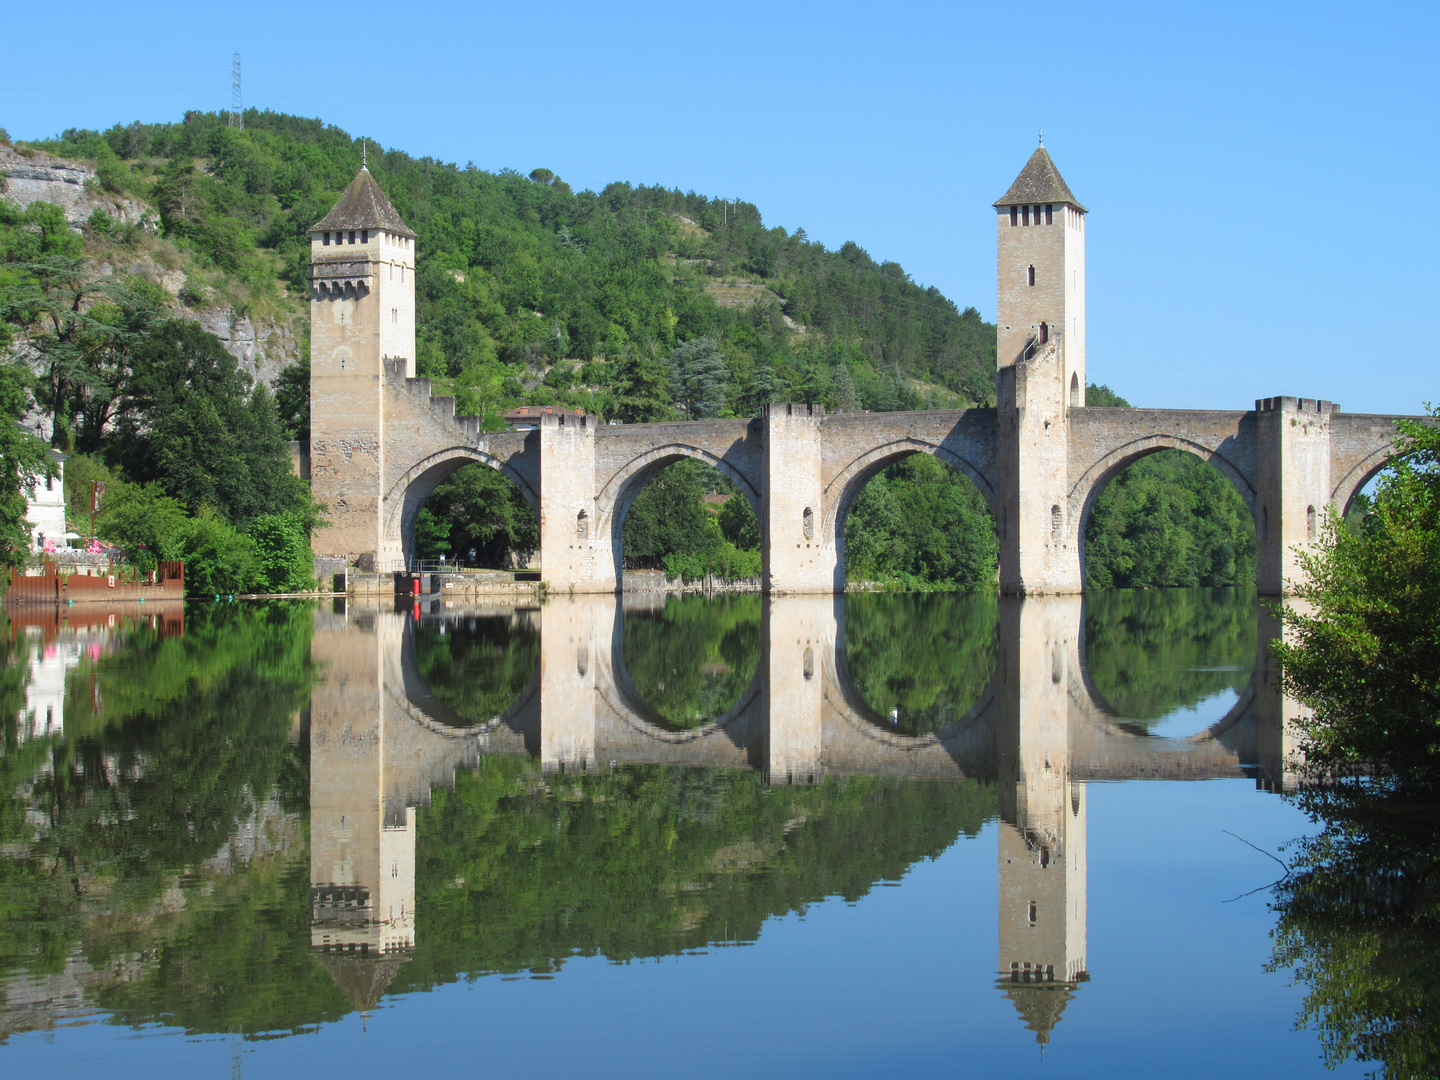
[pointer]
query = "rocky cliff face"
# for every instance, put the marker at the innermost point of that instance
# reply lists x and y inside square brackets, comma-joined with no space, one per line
[41,178]
[261,349]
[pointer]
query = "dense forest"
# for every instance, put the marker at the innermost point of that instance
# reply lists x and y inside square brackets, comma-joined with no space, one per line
[527,289]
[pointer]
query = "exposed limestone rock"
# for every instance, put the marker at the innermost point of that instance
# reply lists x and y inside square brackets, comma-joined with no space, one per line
[42,178]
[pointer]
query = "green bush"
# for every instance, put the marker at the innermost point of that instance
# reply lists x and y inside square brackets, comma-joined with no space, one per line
[218,557]
[284,561]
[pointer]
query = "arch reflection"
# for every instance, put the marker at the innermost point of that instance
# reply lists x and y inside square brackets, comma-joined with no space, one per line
[1035,729]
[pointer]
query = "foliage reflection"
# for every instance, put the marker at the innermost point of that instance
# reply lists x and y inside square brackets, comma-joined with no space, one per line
[693,659]
[921,661]
[478,665]
[1359,924]
[1150,652]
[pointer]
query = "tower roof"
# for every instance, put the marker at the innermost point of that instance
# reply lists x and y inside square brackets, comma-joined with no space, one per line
[1039,1004]
[1039,182]
[363,206]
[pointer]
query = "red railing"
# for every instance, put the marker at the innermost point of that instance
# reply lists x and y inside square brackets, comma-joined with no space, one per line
[51,586]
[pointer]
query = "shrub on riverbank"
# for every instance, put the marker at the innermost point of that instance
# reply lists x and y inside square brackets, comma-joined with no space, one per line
[1364,648]
[271,555]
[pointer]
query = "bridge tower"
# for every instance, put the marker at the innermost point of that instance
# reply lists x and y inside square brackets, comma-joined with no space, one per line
[362,314]
[1040,328]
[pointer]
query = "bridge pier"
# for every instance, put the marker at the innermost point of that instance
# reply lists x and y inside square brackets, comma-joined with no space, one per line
[1293,486]
[576,553]
[1039,540]
[796,555]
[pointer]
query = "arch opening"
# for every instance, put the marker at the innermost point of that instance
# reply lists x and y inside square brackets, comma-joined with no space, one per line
[1160,515]
[918,519]
[1354,494]
[687,518]
[470,512]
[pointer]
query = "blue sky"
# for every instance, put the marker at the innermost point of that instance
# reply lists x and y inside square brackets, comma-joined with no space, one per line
[1259,176]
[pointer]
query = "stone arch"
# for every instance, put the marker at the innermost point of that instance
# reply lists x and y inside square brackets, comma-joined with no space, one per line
[1361,474]
[1088,488]
[613,502]
[408,494]
[842,491]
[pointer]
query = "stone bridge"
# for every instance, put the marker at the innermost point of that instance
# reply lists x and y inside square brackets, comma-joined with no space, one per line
[381,440]
[801,470]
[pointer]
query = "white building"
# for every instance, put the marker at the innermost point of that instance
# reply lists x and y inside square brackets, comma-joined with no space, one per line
[46,507]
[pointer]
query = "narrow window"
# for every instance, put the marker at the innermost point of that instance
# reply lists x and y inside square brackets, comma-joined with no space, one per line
[582,660]
[1074,389]
[364,236]
[326,241]
[1310,523]
[582,526]
[1049,213]
[352,236]
[1057,525]
[1044,862]
[402,273]
[808,523]
[1014,216]
[1032,912]
[1032,275]
[392,271]
[1044,333]
[1025,214]
[807,663]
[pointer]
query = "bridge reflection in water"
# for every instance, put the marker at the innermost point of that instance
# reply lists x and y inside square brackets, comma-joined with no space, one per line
[381,739]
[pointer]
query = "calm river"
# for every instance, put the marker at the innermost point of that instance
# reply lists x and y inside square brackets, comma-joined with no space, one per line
[877,835]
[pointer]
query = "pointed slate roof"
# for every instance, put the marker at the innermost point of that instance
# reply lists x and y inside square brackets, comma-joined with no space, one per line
[1040,1005]
[1039,182]
[363,206]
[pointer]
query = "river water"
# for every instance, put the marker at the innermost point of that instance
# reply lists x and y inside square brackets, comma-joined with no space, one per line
[873,835]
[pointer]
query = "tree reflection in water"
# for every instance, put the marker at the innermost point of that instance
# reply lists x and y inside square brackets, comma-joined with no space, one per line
[1149,652]
[478,665]
[1359,924]
[692,659]
[921,661]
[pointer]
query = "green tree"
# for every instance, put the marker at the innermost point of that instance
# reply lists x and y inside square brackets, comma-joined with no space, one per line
[641,392]
[192,422]
[669,517]
[1364,651]
[739,523]
[475,507]
[283,559]
[292,398]
[24,462]
[920,524]
[698,377]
